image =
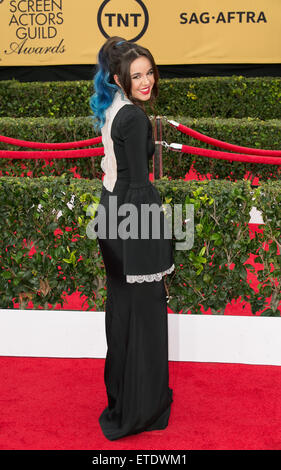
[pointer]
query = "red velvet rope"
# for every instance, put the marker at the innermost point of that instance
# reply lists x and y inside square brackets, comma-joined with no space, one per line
[41,145]
[225,145]
[230,156]
[80,153]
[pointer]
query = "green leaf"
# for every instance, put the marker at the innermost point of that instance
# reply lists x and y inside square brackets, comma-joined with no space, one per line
[202,251]
[6,275]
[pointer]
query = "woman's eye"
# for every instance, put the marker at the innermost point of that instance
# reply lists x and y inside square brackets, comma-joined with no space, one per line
[138,77]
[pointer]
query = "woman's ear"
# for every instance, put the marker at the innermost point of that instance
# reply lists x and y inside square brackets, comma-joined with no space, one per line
[116,79]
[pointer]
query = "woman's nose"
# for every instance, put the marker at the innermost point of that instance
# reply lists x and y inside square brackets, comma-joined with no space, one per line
[145,80]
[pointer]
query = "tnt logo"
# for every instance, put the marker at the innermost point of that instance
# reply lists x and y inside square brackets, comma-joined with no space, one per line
[128,19]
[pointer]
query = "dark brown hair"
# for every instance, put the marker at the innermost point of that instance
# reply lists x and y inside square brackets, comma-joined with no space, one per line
[119,54]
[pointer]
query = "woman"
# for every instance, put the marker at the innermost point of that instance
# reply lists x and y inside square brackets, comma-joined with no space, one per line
[136,368]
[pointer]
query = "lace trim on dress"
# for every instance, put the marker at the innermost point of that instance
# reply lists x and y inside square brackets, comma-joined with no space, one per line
[148,277]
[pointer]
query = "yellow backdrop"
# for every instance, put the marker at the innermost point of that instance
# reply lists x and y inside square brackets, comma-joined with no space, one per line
[53,32]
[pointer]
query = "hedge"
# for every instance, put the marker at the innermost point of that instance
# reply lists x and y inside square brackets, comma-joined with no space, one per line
[248,132]
[195,97]
[48,130]
[36,214]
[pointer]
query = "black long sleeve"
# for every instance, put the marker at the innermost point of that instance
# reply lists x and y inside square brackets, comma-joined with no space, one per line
[142,256]
[134,128]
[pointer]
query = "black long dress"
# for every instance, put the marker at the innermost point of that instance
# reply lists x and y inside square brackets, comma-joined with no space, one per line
[136,371]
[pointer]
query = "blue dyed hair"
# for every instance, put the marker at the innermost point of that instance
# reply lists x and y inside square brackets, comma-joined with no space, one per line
[103,96]
[104,89]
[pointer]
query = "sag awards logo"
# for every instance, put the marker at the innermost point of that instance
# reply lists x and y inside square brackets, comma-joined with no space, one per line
[36,27]
[129,21]
[223,17]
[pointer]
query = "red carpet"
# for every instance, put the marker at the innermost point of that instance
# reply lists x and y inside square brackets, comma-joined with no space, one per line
[54,404]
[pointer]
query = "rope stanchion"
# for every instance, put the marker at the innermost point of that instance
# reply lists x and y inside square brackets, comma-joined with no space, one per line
[50,146]
[157,158]
[225,155]
[219,143]
[80,153]
[269,157]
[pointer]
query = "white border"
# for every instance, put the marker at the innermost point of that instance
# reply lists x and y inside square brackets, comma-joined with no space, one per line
[196,338]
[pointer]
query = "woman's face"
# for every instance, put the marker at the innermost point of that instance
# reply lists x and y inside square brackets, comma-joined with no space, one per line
[142,78]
